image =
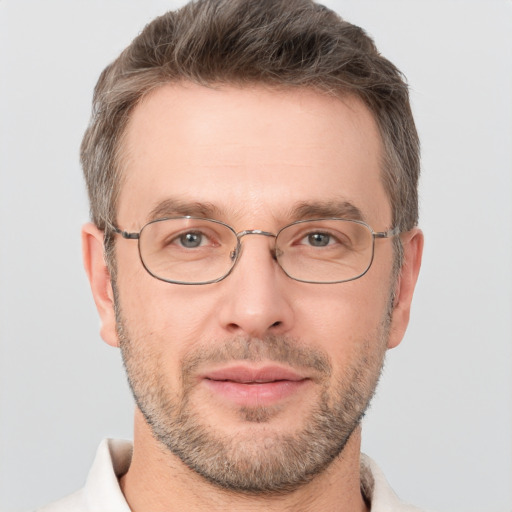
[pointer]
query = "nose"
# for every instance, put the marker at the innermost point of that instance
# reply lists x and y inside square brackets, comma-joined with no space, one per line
[257,298]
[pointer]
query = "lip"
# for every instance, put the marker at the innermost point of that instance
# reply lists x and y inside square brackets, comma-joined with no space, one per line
[246,374]
[248,386]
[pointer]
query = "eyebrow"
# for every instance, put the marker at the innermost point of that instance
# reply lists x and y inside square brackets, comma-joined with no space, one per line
[174,207]
[326,209]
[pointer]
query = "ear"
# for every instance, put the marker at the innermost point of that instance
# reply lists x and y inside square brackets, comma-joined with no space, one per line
[412,243]
[99,279]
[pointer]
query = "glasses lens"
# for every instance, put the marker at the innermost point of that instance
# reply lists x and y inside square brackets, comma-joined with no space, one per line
[186,250]
[325,251]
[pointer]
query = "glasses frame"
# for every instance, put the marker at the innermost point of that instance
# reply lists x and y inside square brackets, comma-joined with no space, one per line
[236,254]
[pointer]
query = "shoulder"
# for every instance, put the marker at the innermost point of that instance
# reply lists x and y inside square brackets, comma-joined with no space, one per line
[101,491]
[377,490]
[72,503]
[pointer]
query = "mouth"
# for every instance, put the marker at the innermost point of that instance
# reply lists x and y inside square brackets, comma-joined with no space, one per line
[248,386]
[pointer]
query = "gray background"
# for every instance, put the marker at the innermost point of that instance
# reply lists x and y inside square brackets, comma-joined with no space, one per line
[441,424]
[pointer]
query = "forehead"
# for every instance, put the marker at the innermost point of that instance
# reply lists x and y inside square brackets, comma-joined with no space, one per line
[250,152]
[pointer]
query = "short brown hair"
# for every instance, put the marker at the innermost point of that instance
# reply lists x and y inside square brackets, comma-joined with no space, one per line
[282,43]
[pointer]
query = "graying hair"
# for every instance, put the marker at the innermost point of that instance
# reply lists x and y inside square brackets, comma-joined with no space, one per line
[281,43]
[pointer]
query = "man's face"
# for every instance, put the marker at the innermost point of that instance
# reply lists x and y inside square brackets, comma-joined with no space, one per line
[258,381]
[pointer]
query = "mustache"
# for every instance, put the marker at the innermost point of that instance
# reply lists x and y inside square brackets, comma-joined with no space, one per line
[271,348]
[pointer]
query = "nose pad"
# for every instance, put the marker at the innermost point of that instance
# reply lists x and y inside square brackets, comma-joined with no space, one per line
[236,253]
[275,253]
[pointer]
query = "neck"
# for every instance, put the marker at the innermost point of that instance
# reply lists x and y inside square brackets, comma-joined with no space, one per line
[158,480]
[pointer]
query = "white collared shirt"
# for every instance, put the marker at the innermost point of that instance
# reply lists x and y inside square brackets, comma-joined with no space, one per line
[102,493]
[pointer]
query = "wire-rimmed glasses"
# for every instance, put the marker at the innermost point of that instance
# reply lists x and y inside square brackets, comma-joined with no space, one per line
[192,250]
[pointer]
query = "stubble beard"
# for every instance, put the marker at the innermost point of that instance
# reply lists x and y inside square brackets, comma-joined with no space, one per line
[258,459]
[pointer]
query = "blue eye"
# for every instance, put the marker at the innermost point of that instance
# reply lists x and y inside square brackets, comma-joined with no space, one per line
[319,239]
[191,239]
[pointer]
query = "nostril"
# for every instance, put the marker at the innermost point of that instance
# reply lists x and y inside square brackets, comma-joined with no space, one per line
[276,324]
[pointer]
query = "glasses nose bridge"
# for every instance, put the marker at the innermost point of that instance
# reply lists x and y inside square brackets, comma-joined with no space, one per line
[235,255]
[246,232]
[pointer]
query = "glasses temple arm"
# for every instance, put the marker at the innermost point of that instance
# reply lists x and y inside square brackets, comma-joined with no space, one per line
[387,234]
[125,234]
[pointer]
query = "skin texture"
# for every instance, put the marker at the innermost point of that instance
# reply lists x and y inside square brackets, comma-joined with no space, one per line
[250,157]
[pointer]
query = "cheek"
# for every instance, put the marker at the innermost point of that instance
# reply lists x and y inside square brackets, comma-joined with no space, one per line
[340,318]
[346,307]
[168,319]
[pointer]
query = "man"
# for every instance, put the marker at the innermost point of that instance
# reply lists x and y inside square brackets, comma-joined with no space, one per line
[252,171]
